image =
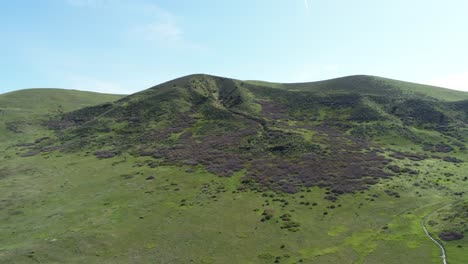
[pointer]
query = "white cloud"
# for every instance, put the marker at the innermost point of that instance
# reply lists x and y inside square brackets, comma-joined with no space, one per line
[306,4]
[457,81]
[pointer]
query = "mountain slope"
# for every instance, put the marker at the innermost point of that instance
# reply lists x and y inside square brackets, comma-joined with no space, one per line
[207,169]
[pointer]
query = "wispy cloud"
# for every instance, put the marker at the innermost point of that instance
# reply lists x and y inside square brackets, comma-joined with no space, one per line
[162,26]
[150,22]
[458,81]
[163,31]
[306,4]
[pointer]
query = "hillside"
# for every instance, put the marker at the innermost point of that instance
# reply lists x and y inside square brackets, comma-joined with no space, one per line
[207,169]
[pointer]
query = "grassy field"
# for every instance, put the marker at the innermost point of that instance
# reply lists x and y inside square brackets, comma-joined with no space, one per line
[75,208]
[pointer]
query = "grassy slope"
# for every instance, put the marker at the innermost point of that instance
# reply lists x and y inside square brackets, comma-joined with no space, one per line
[79,209]
[58,207]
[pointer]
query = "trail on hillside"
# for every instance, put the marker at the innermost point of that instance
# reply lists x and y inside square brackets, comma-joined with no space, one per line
[444,255]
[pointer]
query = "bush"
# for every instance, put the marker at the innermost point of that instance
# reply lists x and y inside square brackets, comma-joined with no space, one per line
[451,235]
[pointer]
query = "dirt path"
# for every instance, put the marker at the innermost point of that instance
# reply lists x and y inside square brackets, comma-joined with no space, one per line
[444,255]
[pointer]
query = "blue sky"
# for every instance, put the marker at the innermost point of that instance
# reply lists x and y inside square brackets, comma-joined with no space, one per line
[123,46]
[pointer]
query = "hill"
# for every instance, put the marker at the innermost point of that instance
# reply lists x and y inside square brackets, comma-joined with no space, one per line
[43,100]
[22,111]
[372,85]
[297,135]
[207,169]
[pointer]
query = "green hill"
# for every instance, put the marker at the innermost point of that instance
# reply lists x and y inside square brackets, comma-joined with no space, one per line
[206,169]
[372,85]
[22,111]
[46,100]
[308,128]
